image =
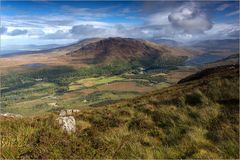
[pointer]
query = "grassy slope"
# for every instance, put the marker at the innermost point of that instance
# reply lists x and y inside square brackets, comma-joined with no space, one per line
[195,119]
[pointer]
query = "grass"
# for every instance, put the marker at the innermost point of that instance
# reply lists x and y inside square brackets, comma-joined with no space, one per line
[24,100]
[90,82]
[198,119]
[162,85]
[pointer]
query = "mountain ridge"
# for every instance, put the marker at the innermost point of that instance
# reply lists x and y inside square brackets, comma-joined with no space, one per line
[220,47]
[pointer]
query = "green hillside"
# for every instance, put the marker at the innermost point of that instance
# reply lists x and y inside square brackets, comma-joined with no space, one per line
[198,118]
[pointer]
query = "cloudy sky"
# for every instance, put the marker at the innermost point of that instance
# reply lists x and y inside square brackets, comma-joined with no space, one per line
[63,22]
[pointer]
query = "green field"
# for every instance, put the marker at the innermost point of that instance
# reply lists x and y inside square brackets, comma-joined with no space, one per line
[51,89]
[90,82]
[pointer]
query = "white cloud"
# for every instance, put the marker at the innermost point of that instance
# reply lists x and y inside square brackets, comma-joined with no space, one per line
[237,12]
[190,19]
[35,32]
[17,32]
[86,31]
[3,30]
[223,7]
[185,23]
[59,34]
[160,18]
[223,31]
[86,13]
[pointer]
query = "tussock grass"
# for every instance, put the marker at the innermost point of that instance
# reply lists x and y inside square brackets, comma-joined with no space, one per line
[197,119]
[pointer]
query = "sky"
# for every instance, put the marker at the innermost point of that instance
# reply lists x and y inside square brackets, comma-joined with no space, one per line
[25,23]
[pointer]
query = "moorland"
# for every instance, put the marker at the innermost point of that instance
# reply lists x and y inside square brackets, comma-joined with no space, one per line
[137,99]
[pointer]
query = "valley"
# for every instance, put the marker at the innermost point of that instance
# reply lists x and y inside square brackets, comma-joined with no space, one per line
[134,99]
[31,93]
[119,80]
[196,118]
[102,71]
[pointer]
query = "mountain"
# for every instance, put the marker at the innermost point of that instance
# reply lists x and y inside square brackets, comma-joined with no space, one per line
[232,59]
[195,119]
[25,49]
[127,49]
[101,51]
[50,49]
[224,47]
[211,72]
[203,59]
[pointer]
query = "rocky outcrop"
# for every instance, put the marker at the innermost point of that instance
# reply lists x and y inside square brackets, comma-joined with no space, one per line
[67,121]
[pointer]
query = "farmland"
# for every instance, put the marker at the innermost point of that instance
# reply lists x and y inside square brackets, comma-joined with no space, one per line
[44,90]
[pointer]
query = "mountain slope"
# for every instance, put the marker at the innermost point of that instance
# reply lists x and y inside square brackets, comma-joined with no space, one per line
[203,59]
[126,49]
[195,119]
[168,42]
[101,51]
[232,59]
[224,47]
[216,71]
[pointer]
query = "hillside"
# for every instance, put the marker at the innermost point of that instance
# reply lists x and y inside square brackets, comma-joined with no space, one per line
[215,71]
[55,49]
[168,42]
[127,49]
[102,71]
[100,51]
[223,47]
[198,118]
[232,59]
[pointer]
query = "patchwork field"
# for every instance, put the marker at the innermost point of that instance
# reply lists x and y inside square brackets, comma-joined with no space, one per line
[48,90]
[90,82]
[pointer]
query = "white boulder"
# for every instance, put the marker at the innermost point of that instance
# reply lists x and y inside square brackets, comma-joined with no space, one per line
[67,123]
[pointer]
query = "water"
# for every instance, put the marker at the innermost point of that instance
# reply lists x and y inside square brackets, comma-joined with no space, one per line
[34,65]
[159,69]
[204,58]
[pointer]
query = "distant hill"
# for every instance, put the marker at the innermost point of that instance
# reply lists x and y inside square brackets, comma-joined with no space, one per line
[203,59]
[168,42]
[127,49]
[26,49]
[224,47]
[232,59]
[52,49]
[103,51]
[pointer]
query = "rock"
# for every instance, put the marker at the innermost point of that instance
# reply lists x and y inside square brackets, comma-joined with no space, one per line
[76,110]
[62,113]
[53,104]
[67,123]
[69,112]
[12,115]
